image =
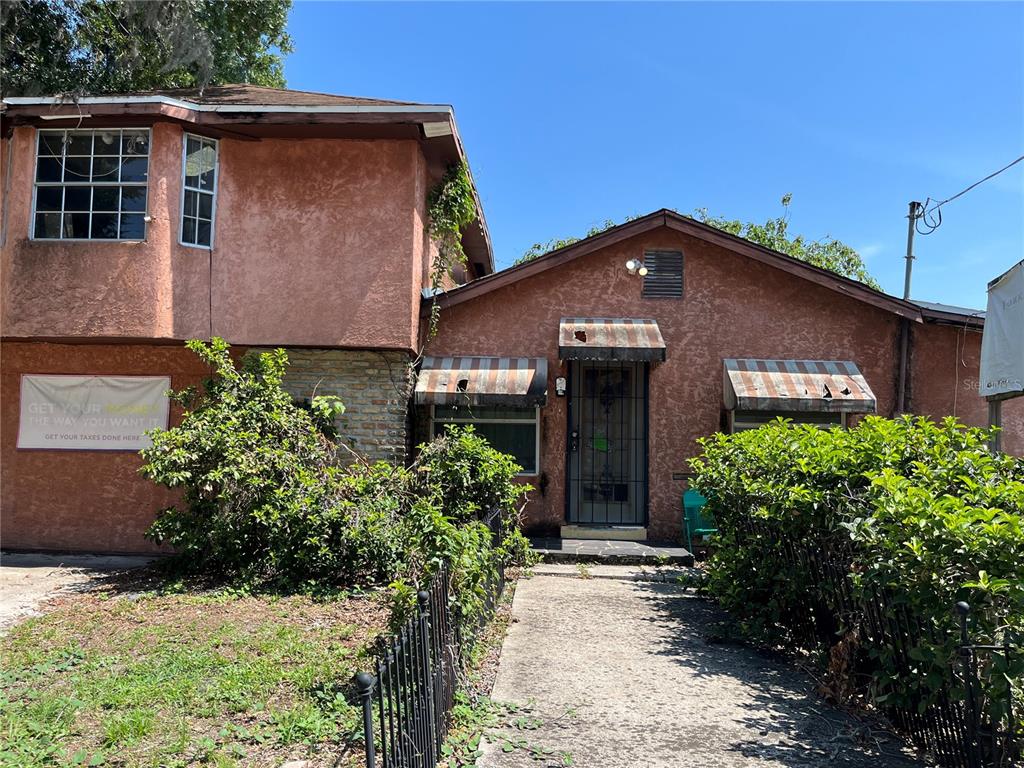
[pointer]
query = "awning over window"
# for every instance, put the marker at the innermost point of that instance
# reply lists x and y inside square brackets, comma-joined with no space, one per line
[519,381]
[601,338]
[796,385]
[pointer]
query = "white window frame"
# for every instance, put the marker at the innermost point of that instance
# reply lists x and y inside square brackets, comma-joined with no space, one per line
[793,416]
[434,421]
[216,184]
[92,184]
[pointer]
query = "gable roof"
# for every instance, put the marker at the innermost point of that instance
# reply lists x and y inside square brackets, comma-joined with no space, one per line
[247,94]
[666,218]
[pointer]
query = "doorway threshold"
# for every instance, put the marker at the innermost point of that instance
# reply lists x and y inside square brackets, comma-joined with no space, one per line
[605,532]
[608,552]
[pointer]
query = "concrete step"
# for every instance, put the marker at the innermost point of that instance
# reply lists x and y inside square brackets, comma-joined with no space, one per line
[556,550]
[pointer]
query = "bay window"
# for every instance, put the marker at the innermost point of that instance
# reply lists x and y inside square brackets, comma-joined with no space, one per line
[198,190]
[91,184]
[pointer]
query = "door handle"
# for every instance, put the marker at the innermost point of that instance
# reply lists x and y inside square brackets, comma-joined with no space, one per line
[574,441]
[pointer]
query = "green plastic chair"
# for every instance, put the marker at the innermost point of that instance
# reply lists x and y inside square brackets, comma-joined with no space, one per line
[695,520]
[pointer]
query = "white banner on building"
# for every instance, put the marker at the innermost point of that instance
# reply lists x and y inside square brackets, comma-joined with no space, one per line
[103,413]
[1002,344]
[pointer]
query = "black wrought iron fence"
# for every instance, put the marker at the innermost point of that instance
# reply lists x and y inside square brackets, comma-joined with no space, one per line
[408,699]
[995,720]
[955,718]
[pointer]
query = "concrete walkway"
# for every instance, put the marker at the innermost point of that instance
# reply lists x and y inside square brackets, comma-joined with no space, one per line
[28,580]
[616,672]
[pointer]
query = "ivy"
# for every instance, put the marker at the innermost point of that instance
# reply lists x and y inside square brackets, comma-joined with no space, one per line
[451,207]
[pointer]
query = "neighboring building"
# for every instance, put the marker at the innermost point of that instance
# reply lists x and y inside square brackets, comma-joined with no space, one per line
[268,217]
[288,219]
[720,334]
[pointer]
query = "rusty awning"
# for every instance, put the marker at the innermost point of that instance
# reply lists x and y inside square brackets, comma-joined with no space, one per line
[518,381]
[605,338]
[796,385]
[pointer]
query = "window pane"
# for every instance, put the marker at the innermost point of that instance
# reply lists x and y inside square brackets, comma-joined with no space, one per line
[133,226]
[80,143]
[188,230]
[77,168]
[134,169]
[133,198]
[106,198]
[51,144]
[49,198]
[203,233]
[105,168]
[48,169]
[135,143]
[520,440]
[104,226]
[77,198]
[76,225]
[191,203]
[206,206]
[47,225]
[107,143]
[200,160]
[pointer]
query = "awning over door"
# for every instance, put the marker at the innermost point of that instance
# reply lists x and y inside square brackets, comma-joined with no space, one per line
[603,338]
[796,385]
[518,381]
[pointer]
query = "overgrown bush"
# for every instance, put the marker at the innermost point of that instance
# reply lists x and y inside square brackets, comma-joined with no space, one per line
[918,512]
[266,501]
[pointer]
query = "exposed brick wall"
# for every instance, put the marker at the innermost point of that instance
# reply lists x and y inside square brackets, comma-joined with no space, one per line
[373,385]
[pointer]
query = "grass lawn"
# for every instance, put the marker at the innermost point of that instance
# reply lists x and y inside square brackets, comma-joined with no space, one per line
[119,677]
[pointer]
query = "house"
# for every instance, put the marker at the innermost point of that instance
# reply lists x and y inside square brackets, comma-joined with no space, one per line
[277,218]
[134,222]
[600,365]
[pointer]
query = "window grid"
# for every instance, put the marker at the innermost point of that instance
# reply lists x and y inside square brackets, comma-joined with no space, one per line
[439,420]
[91,183]
[198,190]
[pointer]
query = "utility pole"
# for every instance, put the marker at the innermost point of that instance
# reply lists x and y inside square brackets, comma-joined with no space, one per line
[901,394]
[912,217]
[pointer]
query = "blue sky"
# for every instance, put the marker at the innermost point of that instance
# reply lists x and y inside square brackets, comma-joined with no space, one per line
[575,113]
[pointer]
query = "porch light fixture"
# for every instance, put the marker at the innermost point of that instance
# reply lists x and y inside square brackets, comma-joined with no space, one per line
[636,267]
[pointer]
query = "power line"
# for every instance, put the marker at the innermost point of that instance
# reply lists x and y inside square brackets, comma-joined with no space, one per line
[928,219]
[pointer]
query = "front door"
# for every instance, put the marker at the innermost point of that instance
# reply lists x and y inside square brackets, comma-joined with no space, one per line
[607,461]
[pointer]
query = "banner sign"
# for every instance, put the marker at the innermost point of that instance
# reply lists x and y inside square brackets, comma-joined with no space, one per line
[1002,344]
[99,413]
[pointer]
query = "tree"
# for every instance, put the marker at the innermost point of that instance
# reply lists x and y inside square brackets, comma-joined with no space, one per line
[827,253]
[81,47]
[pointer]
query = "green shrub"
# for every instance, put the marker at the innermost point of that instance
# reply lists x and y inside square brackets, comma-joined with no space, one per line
[265,500]
[919,512]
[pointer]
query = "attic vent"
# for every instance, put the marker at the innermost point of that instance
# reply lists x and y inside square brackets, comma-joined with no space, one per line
[664,278]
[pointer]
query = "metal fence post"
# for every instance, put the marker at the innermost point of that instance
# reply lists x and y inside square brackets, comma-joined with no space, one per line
[423,598]
[966,658]
[366,682]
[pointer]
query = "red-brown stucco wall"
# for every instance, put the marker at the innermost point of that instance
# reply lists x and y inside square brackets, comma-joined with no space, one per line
[732,307]
[945,362]
[80,500]
[317,242]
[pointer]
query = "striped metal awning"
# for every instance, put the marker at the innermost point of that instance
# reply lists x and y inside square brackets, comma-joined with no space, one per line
[796,385]
[519,381]
[604,338]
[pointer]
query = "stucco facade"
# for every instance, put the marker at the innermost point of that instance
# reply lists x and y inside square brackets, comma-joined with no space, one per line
[315,241]
[320,245]
[732,307]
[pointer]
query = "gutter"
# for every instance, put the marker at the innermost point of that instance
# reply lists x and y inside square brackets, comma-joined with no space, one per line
[341,109]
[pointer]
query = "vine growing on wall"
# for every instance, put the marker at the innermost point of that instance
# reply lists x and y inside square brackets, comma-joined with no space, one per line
[451,206]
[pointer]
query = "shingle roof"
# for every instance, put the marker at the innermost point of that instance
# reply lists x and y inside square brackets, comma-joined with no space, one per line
[241,94]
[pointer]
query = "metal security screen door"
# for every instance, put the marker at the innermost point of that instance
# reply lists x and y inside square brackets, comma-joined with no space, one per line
[608,443]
